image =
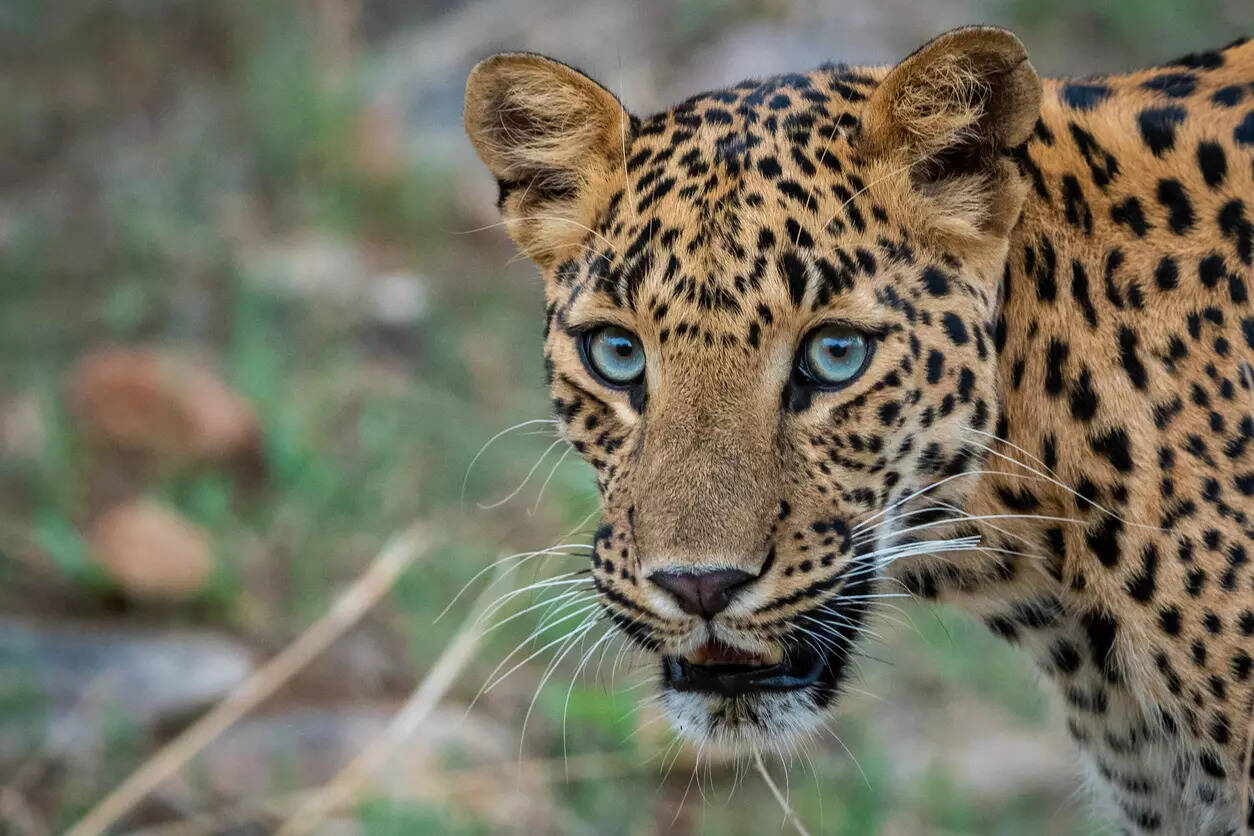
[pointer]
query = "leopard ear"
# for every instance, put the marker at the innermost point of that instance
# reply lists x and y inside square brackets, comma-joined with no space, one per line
[948,113]
[550,135]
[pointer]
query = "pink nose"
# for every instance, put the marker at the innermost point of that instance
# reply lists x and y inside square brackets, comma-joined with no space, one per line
[702,593]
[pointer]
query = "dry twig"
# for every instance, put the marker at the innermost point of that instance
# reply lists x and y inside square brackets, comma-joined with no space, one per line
[339,792]
[789,813]
[351,605]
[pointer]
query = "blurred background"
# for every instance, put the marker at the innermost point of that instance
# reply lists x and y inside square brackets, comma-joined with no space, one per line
[255,318]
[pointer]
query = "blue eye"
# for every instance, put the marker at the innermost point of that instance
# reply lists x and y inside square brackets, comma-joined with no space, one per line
[833,355]
[615,355]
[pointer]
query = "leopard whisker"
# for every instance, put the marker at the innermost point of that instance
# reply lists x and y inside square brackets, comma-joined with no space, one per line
[525,218]
[574,677]
[546,482]
[931,486]
[489,506]
[550,602]
[999,529]
[494,680]
[576,636]
[828,728]
[488,443]
[521,558]
[1056,482]
[564,579]
[971,518]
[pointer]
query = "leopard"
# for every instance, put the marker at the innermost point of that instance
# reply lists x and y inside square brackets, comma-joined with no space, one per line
[943,329]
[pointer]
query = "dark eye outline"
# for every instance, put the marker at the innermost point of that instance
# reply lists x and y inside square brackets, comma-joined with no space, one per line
[804,376]
[585,355]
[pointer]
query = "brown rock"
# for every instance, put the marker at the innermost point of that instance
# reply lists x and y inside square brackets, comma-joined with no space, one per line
[22,427]
[141,401]
[151,552]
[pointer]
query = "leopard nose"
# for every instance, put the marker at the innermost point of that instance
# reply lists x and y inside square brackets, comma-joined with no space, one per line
[702,593]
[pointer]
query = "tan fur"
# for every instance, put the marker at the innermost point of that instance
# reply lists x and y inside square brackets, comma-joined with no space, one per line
[1056,279]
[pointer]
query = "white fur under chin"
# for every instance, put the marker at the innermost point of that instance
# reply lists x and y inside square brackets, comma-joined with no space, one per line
[785,719]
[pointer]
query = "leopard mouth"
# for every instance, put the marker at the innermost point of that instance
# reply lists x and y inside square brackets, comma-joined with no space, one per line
[727,672]
[754,699]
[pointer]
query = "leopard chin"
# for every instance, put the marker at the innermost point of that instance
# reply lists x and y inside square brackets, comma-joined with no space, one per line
[758,721]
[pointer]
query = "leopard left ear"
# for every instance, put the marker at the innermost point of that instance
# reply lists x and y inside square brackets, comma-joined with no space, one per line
[948,113]
[550,135]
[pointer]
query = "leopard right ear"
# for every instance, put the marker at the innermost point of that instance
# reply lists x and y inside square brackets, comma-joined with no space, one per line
[550,135]
[947,114]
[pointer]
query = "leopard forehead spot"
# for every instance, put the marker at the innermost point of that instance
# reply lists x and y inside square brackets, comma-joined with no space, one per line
[1052,427]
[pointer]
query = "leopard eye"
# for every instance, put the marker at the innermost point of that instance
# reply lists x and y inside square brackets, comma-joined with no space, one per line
[833,355]
[615,355]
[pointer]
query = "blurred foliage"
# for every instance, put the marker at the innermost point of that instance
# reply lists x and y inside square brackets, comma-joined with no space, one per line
[1138,28]
[151,153]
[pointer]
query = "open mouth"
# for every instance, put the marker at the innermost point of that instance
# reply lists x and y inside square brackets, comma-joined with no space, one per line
[718,669]
[814,658]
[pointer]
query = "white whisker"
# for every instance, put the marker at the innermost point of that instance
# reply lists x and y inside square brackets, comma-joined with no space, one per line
[489,506]
[488,443]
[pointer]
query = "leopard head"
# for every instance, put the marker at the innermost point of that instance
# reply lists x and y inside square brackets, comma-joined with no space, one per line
[770,327]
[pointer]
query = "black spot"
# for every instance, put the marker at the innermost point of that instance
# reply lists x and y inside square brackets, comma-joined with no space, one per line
[889,412]
[935,366]
[1167,274]
[1130,214]
[1208,60]
[797,192]
[769,166]
[1100,629]
[955,328]
[1103,165]
[1055,359]
[1078,213]
[1235,225]
[1212,162]
[1158,127]
[1172,195]
[1241,664]
[936,282]
[1021,500]
[1229,96]
[1065,657]
[795,274]
[1103,541]
[1141,585]
[797,234]
[1082,96]
[1116,447]
[1128,356]
[1084,399]
[1244,132]
[1211,269]
[1080,292]
[1173,85]
[1211,765]
[1169,620]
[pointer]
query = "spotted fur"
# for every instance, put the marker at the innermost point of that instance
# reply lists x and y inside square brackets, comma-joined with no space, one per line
[1056,276]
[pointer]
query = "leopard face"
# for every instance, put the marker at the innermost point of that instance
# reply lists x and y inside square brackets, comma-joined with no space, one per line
[770,328]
